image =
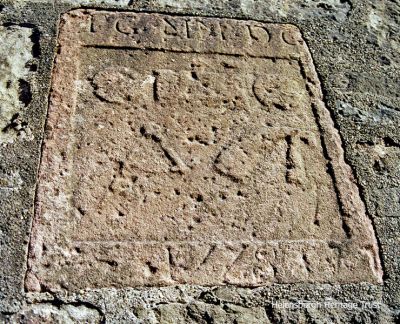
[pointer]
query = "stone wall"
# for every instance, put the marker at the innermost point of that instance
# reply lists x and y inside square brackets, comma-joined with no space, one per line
[354,46]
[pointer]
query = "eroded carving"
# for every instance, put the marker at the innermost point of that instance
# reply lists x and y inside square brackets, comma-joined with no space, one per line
[276,91]
[119,85]
[192,150]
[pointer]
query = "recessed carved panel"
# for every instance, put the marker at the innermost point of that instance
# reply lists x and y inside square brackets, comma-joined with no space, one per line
[185,150]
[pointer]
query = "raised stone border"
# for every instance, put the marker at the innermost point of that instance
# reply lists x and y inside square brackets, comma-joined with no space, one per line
[361,92]
[353,259]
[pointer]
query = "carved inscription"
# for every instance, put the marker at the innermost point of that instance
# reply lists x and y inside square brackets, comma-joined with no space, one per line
[193,28]
[192,151]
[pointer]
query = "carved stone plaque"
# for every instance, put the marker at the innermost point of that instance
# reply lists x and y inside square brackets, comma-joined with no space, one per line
[186,150]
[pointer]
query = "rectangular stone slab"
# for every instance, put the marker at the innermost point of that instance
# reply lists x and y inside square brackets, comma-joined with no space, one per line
[187,150]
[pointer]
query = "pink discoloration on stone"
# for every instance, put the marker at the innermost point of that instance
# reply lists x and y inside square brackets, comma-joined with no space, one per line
[192,150]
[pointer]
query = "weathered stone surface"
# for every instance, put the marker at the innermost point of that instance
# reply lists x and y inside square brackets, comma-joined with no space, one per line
[230,304]
[383,24]
[48,313]
[335,9]
[15,54]
[122,3]
[192,150]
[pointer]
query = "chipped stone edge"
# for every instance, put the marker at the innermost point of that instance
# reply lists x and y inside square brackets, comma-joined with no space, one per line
[355,220]
[354,217]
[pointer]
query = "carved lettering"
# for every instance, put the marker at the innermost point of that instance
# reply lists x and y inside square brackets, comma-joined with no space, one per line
[259,33]
[188,150]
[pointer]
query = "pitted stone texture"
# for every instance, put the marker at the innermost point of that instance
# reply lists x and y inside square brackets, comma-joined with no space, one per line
[47,313]
[97,2]
[227,304]
[15,54]
[334,9]
[383,24]
[337,10]
[192,150]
